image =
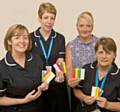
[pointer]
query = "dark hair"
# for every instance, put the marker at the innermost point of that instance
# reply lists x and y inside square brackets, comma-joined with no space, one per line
[107,43]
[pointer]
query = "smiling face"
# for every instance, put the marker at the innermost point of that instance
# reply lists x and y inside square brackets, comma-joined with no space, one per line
[19,41]
[104,58]
[84,28]
[47,21]
[105,49]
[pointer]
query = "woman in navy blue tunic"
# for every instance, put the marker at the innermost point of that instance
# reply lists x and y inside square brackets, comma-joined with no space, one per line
[100,91]
[20,74]
[49,45]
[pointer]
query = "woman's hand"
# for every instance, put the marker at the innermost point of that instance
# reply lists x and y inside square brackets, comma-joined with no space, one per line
[59,77]
[44,86]
[72,82]
[101,102]
[89,100]
[59,74]
[59,60]
[33,95]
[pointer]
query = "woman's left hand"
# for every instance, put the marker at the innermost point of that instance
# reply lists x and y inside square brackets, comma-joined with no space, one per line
[59,60]
[59,77]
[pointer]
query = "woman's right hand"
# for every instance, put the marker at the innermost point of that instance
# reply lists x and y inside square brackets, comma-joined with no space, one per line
[44,86]
[89,99]
[72,82]
[33,95]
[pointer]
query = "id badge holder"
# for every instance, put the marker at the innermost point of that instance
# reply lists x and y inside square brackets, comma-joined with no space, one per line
[96,91]
[93,91]
[49,68]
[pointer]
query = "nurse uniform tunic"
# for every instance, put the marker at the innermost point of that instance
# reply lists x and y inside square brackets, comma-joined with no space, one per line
[56,99]
[17,82]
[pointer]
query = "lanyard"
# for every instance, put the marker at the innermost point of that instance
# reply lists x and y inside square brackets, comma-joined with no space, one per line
[46,55]
[97,81]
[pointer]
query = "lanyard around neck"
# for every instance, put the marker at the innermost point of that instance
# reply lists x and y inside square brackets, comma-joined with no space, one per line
[97,80]
[46,55]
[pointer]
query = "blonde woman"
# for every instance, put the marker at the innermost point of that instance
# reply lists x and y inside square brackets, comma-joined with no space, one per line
[80,51]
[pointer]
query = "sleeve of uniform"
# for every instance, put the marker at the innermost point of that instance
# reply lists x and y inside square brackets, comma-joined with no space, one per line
[118,98]
[62,47]
[2,86]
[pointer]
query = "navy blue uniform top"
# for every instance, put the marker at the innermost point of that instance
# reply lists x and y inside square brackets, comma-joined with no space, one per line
[58,49]
[17,82]
[56,96]
[111,88]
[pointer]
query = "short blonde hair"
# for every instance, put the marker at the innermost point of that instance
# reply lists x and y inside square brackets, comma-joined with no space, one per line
[46,7]
[11,32]
[88,16]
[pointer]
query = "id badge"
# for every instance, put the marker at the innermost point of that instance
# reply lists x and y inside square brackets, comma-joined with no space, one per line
[96,91]
[43,72]
[93,91]
[49,68]
[48,76]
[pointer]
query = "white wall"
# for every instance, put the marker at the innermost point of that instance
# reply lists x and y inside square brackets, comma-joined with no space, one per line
[105,12]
